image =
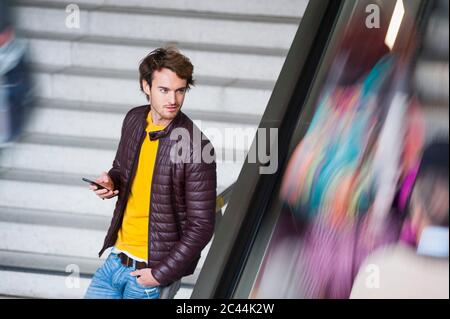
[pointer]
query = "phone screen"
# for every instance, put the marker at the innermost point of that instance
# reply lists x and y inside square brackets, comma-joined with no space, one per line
[93,183]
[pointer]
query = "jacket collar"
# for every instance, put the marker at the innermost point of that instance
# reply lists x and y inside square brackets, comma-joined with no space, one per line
[166,131]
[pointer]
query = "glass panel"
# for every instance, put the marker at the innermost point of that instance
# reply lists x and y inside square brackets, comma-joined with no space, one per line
[345,192]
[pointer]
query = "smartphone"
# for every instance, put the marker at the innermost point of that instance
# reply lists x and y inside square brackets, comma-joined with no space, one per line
[94,183]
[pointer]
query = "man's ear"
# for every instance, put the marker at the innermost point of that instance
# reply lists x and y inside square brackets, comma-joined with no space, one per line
[146,87]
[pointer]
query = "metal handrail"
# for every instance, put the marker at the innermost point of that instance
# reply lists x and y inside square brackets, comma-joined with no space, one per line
[224,197]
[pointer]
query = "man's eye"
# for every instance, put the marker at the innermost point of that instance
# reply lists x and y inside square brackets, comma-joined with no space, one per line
[163,90]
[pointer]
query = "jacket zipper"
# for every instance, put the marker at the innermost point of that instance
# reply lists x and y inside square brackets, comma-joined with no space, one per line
[150,203]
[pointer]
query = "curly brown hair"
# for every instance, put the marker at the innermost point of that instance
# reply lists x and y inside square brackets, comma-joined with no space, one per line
[169,58]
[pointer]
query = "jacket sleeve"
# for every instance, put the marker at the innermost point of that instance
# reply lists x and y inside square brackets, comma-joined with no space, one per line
[200,193]
[114,172]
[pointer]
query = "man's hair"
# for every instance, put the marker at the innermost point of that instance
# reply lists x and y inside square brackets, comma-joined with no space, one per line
[431,188]
[169,58]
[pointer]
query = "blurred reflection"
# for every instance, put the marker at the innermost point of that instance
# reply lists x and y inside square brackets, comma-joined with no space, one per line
[346,184]
[399,271]
[15,86]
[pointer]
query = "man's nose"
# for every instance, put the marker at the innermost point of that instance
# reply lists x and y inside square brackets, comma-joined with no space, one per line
[172,98]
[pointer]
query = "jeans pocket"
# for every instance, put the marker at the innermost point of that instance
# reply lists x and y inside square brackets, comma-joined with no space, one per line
[153,292]
[134,290]
[143,286]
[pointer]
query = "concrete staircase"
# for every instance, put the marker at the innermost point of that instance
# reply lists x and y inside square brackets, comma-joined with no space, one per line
[86,81]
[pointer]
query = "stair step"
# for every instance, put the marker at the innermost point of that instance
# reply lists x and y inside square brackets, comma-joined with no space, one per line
[36,285]
[39,265]
[82,161]
[76,244]
[58,264]
[55,264]
[48,286]
[68,141]
[212,116]
[52,218]
[160,27]
[210,67]
[132,74]
[87,124]
[70,121]
[52,240]
[251,9]
[148,43]
[119,90]
[52,191]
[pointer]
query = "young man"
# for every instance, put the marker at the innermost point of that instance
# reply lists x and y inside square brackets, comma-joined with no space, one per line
[400,271]
[164,215]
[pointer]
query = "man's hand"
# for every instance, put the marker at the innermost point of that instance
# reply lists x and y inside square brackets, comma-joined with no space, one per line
[106,182]
[145,277]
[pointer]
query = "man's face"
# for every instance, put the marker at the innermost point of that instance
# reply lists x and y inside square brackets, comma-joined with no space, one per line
[166,95]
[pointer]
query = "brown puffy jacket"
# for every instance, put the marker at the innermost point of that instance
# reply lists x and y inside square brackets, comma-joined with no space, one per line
[183,194]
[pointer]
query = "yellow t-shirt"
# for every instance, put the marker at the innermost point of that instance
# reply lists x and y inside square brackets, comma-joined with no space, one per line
[133,235]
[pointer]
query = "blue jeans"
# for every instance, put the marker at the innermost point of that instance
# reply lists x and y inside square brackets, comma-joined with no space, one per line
[113,281]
